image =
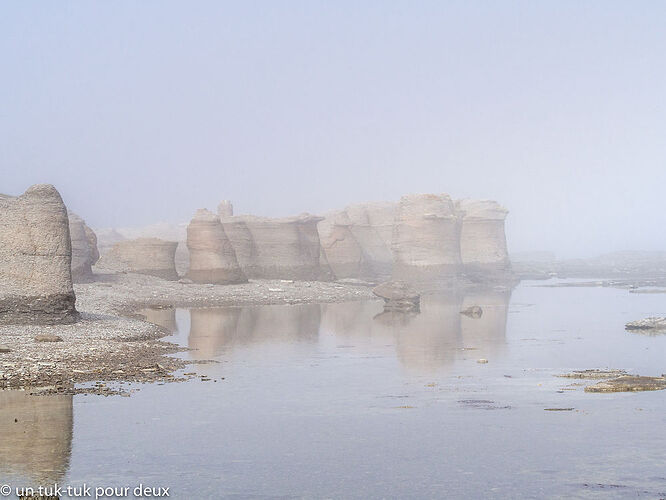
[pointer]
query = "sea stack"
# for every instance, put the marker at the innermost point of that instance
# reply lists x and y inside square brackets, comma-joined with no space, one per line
[371,234]
[276,248]
[426,239]
[482,238]
[35,259]
[212,257]
[84,248]
[151,256]
[343,253]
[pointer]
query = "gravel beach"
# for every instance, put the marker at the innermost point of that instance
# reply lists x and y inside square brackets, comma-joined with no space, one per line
[112,343]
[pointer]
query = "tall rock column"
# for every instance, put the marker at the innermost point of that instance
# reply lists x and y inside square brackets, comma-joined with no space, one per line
[368,225]
[212,257]
[343,253]
[84,248]
[426,239]
[482,238]
[35,259]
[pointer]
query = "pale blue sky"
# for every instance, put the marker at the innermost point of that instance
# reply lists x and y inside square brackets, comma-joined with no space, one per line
[143,111]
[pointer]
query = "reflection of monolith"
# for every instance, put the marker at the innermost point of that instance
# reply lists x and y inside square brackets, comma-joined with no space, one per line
[36,436]
[212,256]
[35,258]
[482,238]
[164,317]
[487,332]
[426,239]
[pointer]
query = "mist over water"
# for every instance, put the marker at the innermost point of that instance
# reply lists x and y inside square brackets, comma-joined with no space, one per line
[144,112]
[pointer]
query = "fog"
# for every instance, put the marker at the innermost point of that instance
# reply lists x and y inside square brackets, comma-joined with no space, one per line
[140,112]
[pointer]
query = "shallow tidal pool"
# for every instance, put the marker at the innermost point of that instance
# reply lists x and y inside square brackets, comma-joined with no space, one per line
[340,401]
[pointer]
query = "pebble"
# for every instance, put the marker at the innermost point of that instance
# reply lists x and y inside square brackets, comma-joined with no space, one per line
[482,361]
[4,348]
[47,337]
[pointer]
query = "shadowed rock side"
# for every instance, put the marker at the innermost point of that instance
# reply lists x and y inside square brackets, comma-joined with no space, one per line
[280,248]
[370,234]
[35,259]
[36,435]
[212,256]
[150,256]
[426,239]
[214,329]
[482,239]
[344,255]
[84,248]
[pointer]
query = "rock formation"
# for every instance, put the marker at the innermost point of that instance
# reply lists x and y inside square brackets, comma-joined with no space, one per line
[35,258]
[398,297]
[344,255]
[84,248]
[482,240]
[372,227]
[150,256]
[426,239]
[225,209]
[276,248]
[212,257]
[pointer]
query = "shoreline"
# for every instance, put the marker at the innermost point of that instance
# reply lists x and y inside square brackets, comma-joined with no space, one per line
[112,343]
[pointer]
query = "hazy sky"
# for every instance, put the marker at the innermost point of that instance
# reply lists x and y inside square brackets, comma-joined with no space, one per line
[143,111]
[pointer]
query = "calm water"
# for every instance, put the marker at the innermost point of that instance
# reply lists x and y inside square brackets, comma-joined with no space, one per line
[334,401]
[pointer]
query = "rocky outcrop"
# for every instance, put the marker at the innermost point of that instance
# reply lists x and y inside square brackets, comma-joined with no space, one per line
[398,296]
[372,227]
[35,258]
[426,239]
[653,324]
[150,256]
[212,256]
[225,209]
[276,248]
[344,256]
[84,248]
[482,239]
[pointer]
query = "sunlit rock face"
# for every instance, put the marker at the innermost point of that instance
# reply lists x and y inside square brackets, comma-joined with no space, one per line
[35,258]
[482,238]
[150,256]
[426,239]
[212,256]
[276,248]
[84,248]
[36,432]
[371,225]
[344,255]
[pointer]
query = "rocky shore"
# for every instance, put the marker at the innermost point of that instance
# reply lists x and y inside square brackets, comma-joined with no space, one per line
[112,343]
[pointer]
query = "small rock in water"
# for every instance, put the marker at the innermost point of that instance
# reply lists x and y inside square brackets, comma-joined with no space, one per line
[629,383]
[594,374]
[482,361]
[4,348]
[473,312]
[652,324]
[47,337]
[398,297]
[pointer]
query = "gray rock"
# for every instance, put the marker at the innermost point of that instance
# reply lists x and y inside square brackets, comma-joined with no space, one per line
[4,348]
[398,297]
[47,337]
[473,312]
[84,248]
[35,259]
[151,256]
[652,324]
[212,256]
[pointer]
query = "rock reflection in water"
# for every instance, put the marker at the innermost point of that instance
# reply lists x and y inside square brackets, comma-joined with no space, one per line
[164,317]
[35,436]
[214,329]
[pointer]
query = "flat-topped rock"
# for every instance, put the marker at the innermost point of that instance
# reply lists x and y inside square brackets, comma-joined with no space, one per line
[35,258]
[151,256]
[212,256]
[426,239]
[398,296]
[276,248]
[652,324]
[482,237]
[344,255]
